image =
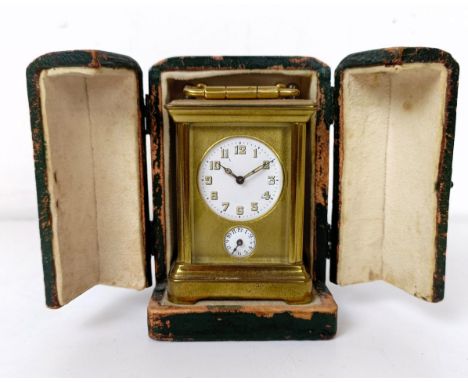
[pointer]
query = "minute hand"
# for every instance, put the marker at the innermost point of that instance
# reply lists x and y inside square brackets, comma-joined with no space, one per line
[257,169]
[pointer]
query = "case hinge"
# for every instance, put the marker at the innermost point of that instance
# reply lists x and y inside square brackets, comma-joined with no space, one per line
[202,91]
[145,114]
[331,110]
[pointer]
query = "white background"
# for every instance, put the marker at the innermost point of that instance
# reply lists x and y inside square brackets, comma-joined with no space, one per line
[381,332]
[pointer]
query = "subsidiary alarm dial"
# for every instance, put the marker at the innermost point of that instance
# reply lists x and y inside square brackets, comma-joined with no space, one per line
[239,242]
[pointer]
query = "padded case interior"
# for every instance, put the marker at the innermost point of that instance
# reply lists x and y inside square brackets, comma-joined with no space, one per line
[92,133]
[392,124]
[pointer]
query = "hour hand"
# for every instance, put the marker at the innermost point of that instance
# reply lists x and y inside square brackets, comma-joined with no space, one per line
[227,170]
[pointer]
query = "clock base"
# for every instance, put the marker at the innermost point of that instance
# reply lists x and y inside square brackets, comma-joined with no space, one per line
[237,320]
[189,283]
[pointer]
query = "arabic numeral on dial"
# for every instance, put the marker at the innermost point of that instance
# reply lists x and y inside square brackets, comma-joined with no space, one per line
[225,206]
[224,153]
[255,153]
[240,150]
[215,165]
[240,210]
[266,195]
[208,180]
[271,180]
[254,207]
[266,164]
[214,195]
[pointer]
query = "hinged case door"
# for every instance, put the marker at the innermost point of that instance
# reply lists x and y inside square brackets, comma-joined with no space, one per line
[394,131]
[88,136]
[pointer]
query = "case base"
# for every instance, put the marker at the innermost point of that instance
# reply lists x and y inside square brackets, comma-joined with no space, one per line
[189,283]
[242,320]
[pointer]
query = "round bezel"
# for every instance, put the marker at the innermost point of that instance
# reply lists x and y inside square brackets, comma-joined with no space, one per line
[244,248]
[250,198]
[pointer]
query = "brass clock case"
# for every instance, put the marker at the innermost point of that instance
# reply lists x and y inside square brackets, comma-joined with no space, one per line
[202,268]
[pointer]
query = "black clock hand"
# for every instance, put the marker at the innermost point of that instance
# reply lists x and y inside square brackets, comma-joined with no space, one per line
[239,243]
[227,170]
[257,169]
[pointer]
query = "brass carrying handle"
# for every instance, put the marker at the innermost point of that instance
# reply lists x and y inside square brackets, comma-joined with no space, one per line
[240,92]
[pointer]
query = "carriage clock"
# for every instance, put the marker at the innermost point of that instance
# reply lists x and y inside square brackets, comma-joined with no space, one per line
[241,159]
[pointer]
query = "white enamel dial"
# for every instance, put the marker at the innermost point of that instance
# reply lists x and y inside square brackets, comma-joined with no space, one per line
[240,178]
[239,242]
